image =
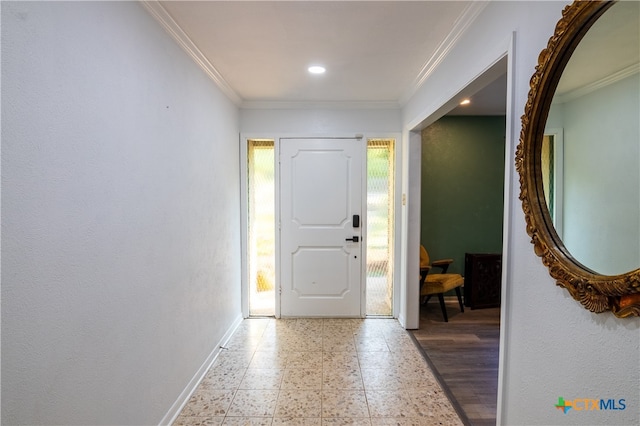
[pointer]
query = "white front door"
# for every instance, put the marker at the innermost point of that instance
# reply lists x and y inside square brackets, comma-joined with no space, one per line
[321,198]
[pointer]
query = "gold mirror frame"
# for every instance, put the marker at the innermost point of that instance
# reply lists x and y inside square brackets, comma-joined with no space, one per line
[597,293]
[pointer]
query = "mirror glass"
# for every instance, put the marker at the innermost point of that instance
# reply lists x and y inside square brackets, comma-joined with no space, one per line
[591,153]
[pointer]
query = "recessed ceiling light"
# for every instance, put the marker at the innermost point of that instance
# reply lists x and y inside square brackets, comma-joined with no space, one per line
[465,102]
[316,69]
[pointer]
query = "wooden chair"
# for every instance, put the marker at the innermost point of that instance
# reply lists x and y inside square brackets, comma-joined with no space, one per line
[439,284]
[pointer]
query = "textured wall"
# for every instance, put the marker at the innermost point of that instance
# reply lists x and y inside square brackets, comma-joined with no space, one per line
[120,215]
[372,122]
[462,187]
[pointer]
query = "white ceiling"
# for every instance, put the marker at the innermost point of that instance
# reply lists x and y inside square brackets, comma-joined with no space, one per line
[375,52]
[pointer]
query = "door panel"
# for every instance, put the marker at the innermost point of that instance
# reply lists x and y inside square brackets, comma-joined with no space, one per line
[320,192]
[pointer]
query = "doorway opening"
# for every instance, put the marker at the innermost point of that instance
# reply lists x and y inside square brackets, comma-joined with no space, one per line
[465,151]
[261,253]
[380,225]
[379,240]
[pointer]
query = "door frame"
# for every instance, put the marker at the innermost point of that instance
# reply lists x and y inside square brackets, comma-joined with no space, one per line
[398,279]
[412,139]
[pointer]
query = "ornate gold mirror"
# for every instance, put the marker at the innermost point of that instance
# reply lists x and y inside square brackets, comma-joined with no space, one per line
[587,85]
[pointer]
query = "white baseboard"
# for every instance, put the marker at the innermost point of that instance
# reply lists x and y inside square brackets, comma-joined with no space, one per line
[184,396]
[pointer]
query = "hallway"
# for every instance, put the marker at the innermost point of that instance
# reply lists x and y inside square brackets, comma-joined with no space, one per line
[319,372]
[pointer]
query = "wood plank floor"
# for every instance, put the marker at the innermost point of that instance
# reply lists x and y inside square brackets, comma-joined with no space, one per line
[464,354]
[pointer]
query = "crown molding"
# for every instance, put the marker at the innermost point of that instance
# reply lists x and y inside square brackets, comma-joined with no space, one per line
[171,26]
[598,84]
[464,21]
[335,105]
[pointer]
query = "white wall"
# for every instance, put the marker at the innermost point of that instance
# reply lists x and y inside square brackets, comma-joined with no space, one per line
[120,215]
[551,345]
[602,177]
[320,122]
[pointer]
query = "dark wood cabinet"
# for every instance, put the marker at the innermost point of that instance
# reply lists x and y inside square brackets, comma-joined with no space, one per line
[482,280]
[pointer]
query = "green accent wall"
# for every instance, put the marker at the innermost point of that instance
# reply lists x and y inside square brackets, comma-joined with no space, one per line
[462,187]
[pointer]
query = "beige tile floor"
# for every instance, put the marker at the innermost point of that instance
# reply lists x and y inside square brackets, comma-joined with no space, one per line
[319,372]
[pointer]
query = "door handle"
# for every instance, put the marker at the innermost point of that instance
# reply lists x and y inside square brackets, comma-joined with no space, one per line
[355,239]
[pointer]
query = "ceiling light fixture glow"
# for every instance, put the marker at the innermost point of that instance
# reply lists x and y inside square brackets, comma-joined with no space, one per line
[465,102]
[316,69]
